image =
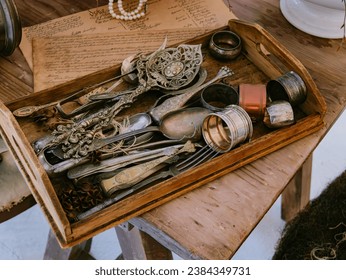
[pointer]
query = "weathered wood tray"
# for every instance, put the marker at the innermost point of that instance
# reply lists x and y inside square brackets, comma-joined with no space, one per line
[262,59]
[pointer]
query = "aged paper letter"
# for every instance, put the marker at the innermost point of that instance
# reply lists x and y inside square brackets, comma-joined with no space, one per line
[161,15]
[60,59]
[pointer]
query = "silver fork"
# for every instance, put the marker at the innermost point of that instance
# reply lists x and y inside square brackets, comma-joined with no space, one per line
[203,155]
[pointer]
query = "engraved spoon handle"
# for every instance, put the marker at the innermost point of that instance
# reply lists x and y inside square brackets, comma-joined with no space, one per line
[132,175]
[29,110]
[177,102]
[111,164]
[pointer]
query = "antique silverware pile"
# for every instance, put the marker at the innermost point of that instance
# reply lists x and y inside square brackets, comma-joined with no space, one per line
[192,122]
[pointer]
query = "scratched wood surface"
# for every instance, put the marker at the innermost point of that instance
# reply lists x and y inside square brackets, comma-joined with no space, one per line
[16,79]
[212,221]
[252,68]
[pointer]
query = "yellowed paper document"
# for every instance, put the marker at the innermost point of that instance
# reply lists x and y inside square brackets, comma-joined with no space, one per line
[60,59]
[162,15]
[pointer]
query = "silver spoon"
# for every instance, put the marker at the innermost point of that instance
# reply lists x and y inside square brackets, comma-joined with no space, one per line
[178,101]
[181,125]
[29,110]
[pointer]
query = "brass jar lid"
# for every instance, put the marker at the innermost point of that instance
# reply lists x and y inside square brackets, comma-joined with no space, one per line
[10,27]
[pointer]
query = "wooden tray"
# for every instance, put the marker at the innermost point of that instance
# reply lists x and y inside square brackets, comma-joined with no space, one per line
[262,59]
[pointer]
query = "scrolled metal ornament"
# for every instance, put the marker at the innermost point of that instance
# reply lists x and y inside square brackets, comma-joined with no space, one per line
[174,68]
[168,69]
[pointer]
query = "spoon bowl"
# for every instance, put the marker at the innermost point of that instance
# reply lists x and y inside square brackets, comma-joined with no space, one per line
[184,124]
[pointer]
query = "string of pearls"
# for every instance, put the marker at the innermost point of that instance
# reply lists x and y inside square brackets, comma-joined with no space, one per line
[135,14]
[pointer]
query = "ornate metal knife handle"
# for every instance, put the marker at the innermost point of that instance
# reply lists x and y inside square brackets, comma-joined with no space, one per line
[132,175]
[177,102]
[115,163]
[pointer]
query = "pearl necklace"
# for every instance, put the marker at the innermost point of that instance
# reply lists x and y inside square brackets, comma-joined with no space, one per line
[135,14]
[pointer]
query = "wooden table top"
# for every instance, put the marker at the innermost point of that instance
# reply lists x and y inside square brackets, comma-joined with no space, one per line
[212,221]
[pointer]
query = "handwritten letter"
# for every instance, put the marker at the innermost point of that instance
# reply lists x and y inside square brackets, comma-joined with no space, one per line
[66,58]
[162,15]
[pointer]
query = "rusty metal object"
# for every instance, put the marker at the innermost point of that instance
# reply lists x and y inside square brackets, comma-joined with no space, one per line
[278,114]
[10,27]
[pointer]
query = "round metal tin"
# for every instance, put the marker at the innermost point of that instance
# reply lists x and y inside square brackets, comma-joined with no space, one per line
[253,99]
[216,97]
[225,45]
[289,87]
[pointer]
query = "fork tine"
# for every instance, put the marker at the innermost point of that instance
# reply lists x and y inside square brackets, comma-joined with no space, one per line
[203,155]
[194,156]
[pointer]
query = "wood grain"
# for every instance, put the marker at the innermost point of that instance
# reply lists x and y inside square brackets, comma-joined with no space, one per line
[212,221]
[264,141]
[37,11]
[15,75]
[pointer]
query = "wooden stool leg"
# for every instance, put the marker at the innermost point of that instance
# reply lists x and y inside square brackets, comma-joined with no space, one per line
[297,193]
[138,245]
[55,252]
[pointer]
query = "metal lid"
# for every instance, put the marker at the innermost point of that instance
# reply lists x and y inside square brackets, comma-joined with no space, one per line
[10,27]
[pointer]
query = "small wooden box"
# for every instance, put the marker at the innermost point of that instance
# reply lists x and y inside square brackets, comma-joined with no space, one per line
[262,59]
